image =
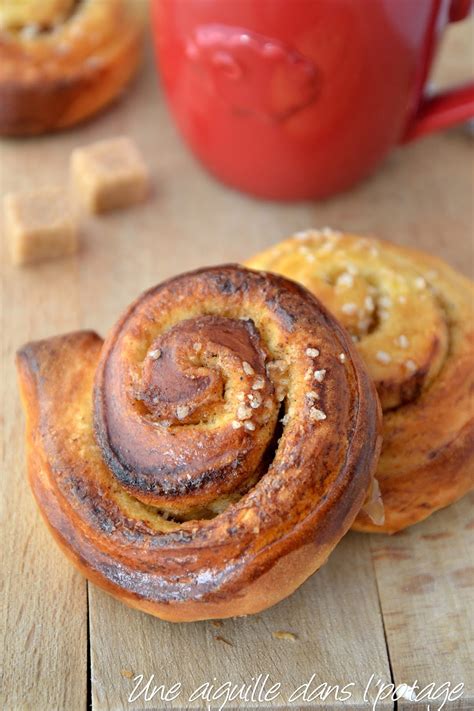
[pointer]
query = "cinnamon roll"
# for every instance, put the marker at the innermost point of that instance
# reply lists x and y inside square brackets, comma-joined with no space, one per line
[63,60]
[411,317]
[207,457]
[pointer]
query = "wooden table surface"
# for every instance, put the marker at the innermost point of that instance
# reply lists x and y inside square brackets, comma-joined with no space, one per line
[392,607]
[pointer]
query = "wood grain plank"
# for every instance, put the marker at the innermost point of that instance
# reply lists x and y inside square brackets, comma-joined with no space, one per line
[425,579]
[335,617]
[44,599]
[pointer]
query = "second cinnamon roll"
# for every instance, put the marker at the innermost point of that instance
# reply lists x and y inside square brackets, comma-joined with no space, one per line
[411,318]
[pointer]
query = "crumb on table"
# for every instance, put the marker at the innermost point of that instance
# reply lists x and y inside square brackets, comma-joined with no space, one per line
[109,174]
[127,673]
[39,224]
[219,638]
[281,634]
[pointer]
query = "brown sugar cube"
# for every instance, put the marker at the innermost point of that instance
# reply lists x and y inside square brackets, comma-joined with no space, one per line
[39,224]
[109,174]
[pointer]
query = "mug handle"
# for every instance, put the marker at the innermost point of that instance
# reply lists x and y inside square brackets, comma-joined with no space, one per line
[449,107]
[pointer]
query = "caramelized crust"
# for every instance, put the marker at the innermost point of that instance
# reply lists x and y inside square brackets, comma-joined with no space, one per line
[191,500]
[411,317]
[63,61]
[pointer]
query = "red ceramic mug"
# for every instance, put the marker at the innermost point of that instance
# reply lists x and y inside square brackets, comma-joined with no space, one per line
[292,99]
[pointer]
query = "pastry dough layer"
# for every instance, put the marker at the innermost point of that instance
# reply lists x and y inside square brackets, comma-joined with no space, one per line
[168,504]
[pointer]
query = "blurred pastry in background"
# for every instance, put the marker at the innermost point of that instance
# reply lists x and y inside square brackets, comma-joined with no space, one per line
[63,60]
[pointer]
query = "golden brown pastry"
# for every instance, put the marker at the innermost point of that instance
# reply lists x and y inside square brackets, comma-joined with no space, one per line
[232,448]
[411,316]
[63,60]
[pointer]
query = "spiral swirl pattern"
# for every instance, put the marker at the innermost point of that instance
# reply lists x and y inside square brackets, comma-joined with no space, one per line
[207,457]
[410,316]
[200,408]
